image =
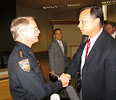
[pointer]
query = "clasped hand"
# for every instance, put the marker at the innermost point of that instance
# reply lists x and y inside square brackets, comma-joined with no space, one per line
[65,79]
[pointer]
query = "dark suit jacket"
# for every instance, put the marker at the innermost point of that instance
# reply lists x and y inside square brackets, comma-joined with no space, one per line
[99,70]
[58,60]
[84,39]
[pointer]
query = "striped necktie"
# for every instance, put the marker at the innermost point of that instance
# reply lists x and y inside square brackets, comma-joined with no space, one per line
[88,46]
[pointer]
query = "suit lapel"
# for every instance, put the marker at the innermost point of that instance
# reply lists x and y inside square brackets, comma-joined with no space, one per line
[95,49]
[58,45]
[81,48]
[64,45]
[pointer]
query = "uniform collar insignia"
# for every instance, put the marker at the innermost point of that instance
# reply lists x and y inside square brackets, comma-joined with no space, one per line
[30,52]
[21,55]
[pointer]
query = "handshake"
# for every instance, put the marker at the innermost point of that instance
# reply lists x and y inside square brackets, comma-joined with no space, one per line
[65,79]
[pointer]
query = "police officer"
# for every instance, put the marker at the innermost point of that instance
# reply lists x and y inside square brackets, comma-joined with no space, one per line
[25,74]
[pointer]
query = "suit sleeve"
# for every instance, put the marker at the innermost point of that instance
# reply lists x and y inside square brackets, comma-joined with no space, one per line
[110,77]
[51,53]
[74,65]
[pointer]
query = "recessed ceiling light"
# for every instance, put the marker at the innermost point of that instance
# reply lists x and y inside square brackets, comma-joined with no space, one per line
[60,6]
[109,2]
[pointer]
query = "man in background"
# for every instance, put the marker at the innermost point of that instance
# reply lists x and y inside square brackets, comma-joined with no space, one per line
[58,56]
[25,74]
[111,28]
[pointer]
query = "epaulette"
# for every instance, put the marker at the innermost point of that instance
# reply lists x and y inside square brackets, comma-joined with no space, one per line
[20,53]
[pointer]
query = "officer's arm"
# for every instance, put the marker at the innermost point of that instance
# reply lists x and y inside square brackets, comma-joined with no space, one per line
[34,84]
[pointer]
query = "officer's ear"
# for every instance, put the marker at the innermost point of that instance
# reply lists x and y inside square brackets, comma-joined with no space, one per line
[96,21]
[22,31]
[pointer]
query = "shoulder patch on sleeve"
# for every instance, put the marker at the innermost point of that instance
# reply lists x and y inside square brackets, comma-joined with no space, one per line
[25,65]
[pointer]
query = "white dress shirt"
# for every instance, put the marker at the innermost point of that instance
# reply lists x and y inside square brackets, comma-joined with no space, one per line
[114,35]
[61,45]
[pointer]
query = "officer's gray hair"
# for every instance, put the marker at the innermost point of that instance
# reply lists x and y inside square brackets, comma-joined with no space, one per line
[17,23]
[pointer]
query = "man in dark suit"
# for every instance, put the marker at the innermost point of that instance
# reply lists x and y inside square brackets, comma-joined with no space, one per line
[57,53]
[98,70]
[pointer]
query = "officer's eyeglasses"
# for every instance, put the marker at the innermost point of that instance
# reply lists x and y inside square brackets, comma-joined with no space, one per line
[35,28]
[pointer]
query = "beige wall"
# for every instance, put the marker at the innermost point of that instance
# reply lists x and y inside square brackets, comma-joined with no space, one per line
[71,35]
[43,18]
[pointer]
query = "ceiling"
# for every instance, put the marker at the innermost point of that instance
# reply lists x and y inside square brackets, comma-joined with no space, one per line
[61,4]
